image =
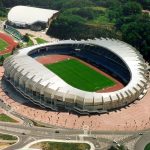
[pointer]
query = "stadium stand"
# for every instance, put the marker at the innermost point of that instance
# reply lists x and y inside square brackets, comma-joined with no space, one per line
[96,56]
[15,33]
[46,89]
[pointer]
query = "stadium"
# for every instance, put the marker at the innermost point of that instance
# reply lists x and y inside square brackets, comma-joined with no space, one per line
[92,76]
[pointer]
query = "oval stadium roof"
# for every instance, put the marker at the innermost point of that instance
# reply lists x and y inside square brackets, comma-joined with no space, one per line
[19,67]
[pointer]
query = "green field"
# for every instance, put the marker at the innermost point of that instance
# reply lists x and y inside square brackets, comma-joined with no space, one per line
[147,147]
[40,41]
[80,75]
[3,45]
[7,137]
[30,42]
[63,146]
[6,118]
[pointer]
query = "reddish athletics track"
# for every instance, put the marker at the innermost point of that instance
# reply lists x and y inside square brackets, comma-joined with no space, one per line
[56,58]
[11,43]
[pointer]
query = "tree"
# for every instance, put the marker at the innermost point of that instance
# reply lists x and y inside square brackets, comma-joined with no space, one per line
[85,13]
[131,8]
[2,59]
[26,37]
[12,52]
[66,26]
[145,4]
[137,33]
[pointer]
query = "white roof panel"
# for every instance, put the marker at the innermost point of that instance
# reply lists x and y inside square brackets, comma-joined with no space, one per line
[29,15]
[121,49]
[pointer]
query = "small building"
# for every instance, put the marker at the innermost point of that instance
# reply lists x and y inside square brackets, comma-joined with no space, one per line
[30,17]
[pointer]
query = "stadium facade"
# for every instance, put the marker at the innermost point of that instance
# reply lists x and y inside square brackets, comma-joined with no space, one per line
[41,86]
[30,17]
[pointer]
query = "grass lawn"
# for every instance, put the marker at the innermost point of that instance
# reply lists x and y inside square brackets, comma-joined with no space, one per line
[7,55]
[7,137]
[80,75]
[30,43]
[4,57]
[6,118]
[147,147]
[64,146]
[40,41]
[102,19]
[3,45]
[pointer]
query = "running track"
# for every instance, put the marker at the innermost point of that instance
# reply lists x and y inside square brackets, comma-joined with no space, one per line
[11,43]
[56,58]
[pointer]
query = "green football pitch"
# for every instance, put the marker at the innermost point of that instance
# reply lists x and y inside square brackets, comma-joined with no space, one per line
[80,76]
[3,45]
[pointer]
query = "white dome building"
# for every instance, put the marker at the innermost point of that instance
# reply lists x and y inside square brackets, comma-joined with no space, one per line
[30,17]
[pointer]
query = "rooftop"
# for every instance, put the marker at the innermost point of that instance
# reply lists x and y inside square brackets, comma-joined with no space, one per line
[29,15]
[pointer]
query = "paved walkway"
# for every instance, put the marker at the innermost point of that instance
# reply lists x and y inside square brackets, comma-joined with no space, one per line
[134,117]
[140,145]
[1,111]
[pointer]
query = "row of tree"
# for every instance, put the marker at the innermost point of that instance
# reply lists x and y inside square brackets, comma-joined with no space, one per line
[125,20]
[130,24]
[75,27]
[133,25]
[60,4]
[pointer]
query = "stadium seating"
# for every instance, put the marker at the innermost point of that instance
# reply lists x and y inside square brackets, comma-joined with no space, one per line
[45,88]
[13,32]
[97,56]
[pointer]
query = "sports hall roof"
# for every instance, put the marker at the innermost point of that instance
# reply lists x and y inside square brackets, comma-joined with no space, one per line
[29,15]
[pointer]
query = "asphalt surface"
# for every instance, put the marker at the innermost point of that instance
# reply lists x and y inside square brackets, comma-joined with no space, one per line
[143,141]
[29,134]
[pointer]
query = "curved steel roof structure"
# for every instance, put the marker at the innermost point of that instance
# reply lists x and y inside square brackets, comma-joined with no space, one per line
[29,15]
[33,75]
